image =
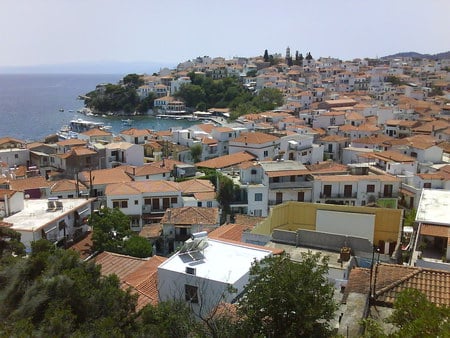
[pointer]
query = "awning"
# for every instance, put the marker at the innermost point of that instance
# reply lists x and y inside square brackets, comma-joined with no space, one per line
[406,192]
[435,230]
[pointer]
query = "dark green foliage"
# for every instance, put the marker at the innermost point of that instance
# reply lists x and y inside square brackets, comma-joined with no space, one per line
[288,299]
[112,233]
[168,319]
[414,316]
[10,243]
[394,80]
[308,56]
[133,80]
[54,294]
[120,98]
[196,152]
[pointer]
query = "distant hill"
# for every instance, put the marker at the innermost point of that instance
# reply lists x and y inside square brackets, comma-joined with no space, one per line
[106,67]
[415,55]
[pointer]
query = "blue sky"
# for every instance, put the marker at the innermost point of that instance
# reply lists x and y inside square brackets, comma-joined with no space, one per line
[64,31]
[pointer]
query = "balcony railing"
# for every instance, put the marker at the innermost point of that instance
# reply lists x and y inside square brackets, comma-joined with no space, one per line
[289,184]
[338,196]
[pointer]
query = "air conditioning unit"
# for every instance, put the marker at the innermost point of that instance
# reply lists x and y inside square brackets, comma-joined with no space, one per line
[190,270]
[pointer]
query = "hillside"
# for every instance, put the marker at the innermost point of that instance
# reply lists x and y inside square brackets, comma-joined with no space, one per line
[415,55]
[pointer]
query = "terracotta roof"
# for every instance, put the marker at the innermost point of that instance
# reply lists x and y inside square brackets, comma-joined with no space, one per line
[71,142]
[36,182]
[392,155]
[147,169]
[206,127]
[355,178]
[229,231]
[139,187]
[82,151]
[84,247]
[254,138]
[223,129]
[196,186]
[392,279]
[205,196]
[226,160]
[105,176]
[6,192]
[191,215]
[67,185]
[138,273]
[209,140]
[334,138]
[373,139]
[96,132]
[151,231]
[326,167]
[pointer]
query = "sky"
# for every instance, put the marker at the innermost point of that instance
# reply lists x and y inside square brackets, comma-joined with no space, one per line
[42,32]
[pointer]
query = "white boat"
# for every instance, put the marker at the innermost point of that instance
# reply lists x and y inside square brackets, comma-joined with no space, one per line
[127,122]
[78,126]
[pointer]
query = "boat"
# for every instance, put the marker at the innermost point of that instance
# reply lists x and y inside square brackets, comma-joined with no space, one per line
[76,127]
[127,122]
[61,110]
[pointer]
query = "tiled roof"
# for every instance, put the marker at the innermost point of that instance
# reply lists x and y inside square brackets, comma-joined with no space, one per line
[136,132]
[29,183]
[96,132]
[254,138]
[229,231]
[391,279]
[191,215]
[66,185]
[84,247]
[226,160]
[326,167]
[147,169]
[392,155]
[71,142]
[151,230]
[82,151]
[206,127]
[374,139]
[105,176]
[138,187]
[138,273]
[196,185]
[205,196]
[334,138]
[209,141]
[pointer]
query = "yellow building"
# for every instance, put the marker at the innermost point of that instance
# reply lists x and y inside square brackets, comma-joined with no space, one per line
[379,225]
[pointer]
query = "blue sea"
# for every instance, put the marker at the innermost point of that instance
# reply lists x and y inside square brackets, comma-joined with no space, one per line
[30,105]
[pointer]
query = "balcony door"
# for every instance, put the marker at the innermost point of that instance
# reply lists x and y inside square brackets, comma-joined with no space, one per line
[279,198]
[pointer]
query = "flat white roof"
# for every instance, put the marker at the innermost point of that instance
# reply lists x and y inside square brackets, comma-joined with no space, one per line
[220,261]
[434,206]
[34,215]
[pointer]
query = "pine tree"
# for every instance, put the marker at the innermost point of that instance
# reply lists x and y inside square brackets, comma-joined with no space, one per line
[266,56]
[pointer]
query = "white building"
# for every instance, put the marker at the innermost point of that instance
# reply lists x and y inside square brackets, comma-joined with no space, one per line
[119,153]
[53,219]
[203,271]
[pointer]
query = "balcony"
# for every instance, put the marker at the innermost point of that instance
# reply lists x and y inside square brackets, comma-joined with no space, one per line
[339,196]
[289,184]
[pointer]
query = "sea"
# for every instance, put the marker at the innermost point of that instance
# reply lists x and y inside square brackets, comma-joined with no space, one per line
[33,106]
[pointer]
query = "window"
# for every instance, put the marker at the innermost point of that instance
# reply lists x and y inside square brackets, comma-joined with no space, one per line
[427,185]
[301,196]
[253,172]
[276,179]
[258,197]
[266,153]
[347,190]
[292,178]
[327,190]
[371,188]
[209,204]
[148,201]
[174,200]
[190,293]
[199,203]
[136,202]
[387,190]
[120,204]
[16,155]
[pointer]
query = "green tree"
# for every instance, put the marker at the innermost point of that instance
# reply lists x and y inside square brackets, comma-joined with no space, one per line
[168,319]
[196,152]
[413,316]
[53,293]
[138,246]
[10,242]
[288,299]
[308,56]
[133,80]
[268,99]
[110,228]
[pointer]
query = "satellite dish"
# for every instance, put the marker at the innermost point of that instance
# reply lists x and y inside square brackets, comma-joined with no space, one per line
[27,196]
